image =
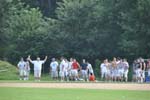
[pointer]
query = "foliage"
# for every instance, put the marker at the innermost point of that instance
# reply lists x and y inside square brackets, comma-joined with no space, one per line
[91,29]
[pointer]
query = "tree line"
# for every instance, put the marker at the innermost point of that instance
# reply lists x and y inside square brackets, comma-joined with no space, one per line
[88,29]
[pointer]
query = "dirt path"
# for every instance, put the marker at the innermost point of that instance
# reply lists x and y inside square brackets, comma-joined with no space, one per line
[119,86]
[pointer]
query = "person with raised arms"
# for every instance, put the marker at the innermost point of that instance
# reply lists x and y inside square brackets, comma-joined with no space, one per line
[37,67]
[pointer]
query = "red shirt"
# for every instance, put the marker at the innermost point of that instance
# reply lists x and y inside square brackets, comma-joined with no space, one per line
[75,65]
[92,78]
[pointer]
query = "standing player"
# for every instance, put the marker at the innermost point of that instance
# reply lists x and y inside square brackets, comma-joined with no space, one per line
[66,70]
[84,70]
[21,66]
[143,67]
[70,69]
[114,69]
[27,70]
[126,69]
[90,69]
[54,69]
[103,68]
[134,66]
[75,67]
[37,67]
[62,69]
[108,72]
[120,70]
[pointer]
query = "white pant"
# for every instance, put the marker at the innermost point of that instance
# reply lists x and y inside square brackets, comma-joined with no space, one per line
[120,71]
[114,72]
[103,73]
[61,73]
[143,74]
[108,72]
[26,72]
[74,72]
[84,73]
[54,74]
[37,73]
[126,73]
[138,73]
[65,73]
[21,72]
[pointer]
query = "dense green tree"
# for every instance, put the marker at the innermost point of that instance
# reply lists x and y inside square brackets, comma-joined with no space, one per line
[135,39]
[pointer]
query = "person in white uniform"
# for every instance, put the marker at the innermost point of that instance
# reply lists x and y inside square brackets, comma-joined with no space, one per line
[70,69]
[62,69]
[90,69]
[21,67]
[54,69]
[37,67]
[27,70]
[126,69]
[103,68]
[66,70]
[120,70]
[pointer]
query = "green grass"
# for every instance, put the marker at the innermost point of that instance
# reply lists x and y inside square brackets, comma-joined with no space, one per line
[8,71]
[7,93]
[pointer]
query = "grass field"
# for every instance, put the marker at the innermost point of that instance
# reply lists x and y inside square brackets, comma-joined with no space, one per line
[7,93]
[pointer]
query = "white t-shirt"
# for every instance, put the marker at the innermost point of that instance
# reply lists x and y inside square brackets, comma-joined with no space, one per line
[70,65]
[90,67]
[126,65]
[66,66]
[54,65]
[38,64]
[103,67]
[62,65]
[21,65]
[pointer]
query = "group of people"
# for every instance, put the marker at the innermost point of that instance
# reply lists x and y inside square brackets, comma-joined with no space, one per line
[115,70]
[64,70]
[24,68]
[140,67]
[71,70]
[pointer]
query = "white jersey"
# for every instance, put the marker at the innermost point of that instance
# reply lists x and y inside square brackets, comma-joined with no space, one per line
[103,67]
[21,65]
[126,65]
[54,65]
[90,68]
[70,65]
[38,64]
[66,66]
[62,65]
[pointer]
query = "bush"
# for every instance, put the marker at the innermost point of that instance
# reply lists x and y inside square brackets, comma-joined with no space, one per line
[97,68]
